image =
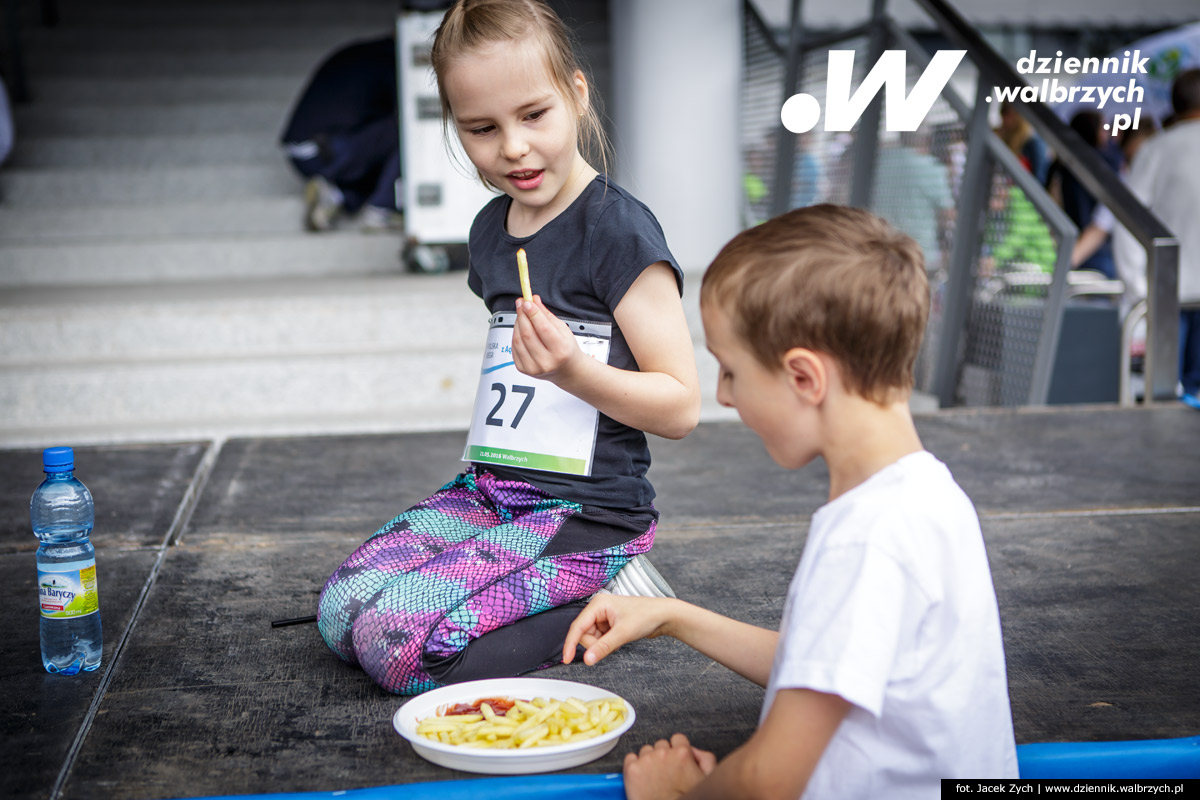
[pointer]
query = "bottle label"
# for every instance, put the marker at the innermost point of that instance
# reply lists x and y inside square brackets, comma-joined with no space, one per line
[66,591]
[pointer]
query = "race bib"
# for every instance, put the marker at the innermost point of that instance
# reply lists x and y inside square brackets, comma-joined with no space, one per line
[530,423]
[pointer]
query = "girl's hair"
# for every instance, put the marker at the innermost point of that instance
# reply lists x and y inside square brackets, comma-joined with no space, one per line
[470,25]
[829,278]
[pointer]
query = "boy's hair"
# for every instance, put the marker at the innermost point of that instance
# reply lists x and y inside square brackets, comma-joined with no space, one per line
[833,279]
[470,25]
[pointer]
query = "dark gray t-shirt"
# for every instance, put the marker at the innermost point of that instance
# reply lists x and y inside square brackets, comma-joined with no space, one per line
[581,263]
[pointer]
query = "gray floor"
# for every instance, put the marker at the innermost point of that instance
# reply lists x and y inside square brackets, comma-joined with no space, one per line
[1091,515]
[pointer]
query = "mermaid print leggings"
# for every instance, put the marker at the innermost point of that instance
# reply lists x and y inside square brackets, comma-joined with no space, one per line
[481,554]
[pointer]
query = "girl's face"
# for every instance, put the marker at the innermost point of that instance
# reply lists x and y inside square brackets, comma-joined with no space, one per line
[518,129]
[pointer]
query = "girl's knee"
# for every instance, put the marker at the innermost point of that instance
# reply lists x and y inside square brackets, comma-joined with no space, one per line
[389,643]
[391,630]
[335,613]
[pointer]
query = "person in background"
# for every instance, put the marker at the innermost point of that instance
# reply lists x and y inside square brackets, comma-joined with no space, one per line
[1075,199]
[1018,134]
[342,136]
[912,191]
[1015,236]
[1165,176]
[806,172]
[1129,257]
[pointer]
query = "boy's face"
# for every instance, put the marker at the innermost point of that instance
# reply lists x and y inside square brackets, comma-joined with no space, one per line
[764,398]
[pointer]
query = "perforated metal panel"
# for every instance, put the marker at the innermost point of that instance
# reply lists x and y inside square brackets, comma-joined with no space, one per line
[917,185]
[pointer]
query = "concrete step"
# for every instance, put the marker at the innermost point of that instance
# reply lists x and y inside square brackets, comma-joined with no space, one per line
[302,394]
[146,362]
[116,360]
[238,319]
[167,260]
[152,118]
[25,187]
[315,394]
[86,225]
[141,152]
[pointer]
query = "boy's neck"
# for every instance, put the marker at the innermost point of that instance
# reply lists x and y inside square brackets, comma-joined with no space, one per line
[863,437]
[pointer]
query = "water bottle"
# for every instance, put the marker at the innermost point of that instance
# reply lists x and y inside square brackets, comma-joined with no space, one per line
[62,513]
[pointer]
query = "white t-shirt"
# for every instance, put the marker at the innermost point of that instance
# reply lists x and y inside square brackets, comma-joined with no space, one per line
[892,608]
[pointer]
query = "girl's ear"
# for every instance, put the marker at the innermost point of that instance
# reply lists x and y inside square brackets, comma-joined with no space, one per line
[807,374]
[581,91]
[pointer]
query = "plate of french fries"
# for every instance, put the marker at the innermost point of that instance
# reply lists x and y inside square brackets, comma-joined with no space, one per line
[514,726]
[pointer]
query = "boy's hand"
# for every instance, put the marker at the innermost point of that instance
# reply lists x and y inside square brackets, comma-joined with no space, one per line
[666,770]
[609,621]
[543,346]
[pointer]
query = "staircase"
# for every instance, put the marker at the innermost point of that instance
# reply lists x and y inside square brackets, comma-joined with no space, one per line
[155,278]
[156,282]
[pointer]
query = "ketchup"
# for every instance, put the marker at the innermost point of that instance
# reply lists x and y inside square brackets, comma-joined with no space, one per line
[500,706]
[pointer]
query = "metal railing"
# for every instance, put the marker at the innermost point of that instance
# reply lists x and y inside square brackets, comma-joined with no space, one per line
[997,310]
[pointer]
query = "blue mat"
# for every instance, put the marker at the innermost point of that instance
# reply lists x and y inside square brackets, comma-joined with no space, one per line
[519,787]
[1137,760]
[1144,760]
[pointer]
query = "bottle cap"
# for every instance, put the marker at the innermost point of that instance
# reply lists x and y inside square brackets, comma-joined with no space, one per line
[58,459]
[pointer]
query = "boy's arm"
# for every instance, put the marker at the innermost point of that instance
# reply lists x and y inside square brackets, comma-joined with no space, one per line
[610,621]
[662,398]
[776,762]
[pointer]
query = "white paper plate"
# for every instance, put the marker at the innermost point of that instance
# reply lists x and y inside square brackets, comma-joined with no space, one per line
[506,762]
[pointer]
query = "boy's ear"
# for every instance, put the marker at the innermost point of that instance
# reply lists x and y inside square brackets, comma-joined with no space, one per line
[807,374]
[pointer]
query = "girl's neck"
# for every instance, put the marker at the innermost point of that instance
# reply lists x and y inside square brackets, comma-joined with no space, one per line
[527,220]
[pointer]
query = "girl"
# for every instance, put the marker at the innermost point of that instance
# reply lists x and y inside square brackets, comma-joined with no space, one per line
[484,578]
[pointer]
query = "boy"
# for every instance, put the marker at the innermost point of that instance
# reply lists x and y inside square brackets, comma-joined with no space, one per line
[888,672]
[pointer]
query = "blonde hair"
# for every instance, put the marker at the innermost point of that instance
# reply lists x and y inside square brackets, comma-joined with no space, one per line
[833,279]
[471,25]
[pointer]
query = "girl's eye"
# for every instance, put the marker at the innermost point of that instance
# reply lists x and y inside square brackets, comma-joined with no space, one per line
[536,115]
[482,131]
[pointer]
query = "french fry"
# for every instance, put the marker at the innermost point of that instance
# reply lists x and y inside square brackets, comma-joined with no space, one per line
[541,722]
[523,272]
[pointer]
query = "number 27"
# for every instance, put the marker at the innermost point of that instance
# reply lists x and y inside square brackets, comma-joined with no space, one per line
[492,419]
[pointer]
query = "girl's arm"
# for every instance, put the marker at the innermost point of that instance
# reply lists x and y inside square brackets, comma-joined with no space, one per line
[610,621]
[662,398]
[776,763]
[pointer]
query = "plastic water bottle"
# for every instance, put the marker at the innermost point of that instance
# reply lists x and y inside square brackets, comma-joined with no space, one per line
[62,513]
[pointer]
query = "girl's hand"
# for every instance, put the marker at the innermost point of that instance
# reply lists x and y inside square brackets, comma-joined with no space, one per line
[666,770]
[543,346]
[609,621]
